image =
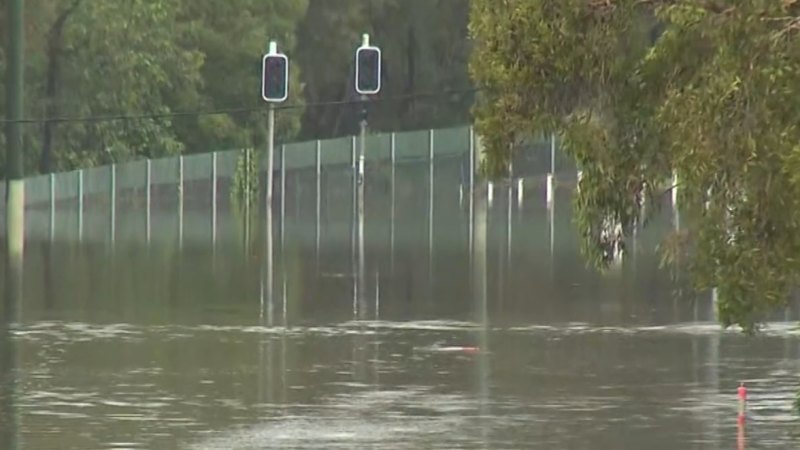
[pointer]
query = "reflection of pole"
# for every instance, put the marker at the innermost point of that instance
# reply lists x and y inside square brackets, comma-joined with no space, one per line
[713,369]
[479,280]
[9,419]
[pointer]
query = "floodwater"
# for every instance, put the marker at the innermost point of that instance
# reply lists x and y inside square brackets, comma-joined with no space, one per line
[490,336]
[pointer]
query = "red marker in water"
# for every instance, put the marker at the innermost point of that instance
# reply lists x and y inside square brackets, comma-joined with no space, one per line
[742,391]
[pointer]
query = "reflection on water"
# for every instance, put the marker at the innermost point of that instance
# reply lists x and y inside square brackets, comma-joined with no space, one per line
[470,333]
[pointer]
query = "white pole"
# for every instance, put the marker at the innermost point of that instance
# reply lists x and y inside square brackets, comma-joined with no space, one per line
[392,154]
[430,205]
[52,207]
[550,190]
[148,199]
[675,190]
[180,201]
[283,197]
[80,205]
[471,234]
[318,162]
[113,206]
[213,198]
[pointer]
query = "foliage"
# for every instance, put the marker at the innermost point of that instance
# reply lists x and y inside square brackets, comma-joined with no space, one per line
[425,50]
[149,59]
[244,188]
[88,58]
[641,89]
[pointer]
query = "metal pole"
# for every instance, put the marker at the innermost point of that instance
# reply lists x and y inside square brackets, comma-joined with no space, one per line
[180,201]
[470,234]
[353,225]
[283,196]
[430,209]
[113,206]
[15,187]
[269,267]
[247,159]
[148,196]
[213,198]
[361,288]
[270,153]
[553,154]
[80,204]
[393,155]
[318,163]
[52,207]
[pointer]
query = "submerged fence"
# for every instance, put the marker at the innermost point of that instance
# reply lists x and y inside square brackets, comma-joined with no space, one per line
[122,200]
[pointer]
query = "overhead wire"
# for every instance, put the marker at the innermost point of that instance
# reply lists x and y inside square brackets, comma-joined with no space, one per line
[241,110]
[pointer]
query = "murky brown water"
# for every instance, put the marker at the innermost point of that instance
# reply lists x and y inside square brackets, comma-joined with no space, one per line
[154,346]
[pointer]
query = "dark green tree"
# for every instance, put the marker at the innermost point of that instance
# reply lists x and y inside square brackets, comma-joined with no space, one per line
[638,90]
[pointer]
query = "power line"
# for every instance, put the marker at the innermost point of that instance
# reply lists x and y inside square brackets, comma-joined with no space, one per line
[177,114]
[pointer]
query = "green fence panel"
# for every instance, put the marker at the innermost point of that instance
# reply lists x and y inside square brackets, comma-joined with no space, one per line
[132,175]
[226,163]
[301,155]
[37,190]
[197,167]
[164,170]
[451,141]
[378,147]
[66,185]
[97,180]
[411,145]
[337,151]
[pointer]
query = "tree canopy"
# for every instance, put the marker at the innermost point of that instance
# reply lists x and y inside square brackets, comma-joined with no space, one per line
[641,89]
[154,58]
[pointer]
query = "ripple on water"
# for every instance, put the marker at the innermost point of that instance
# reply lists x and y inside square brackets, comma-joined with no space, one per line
[365,419]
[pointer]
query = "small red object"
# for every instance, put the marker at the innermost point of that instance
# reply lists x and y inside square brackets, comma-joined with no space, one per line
[470,349]
[742,392]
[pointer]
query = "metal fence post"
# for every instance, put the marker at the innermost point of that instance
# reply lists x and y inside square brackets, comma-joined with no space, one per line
[113,201]
[393,156]
[353,211]
[80,204]
[318,162]
[148,196]
[430,206]
[180,201]
[52,207]
[213,198]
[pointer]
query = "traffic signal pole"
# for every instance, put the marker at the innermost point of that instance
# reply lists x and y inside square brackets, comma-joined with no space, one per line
[367,82]
[361,281]
[268,211]
[275,89]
